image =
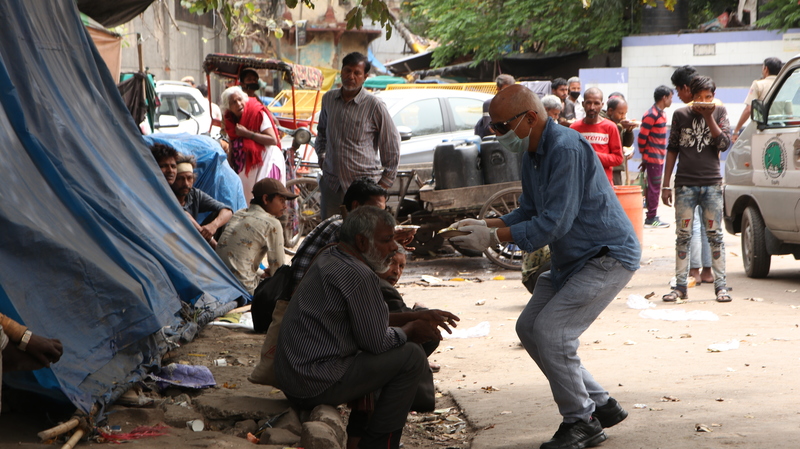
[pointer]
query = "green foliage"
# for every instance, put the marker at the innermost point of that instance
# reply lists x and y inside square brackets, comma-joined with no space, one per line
[488,29]
[781,15]
[238,15]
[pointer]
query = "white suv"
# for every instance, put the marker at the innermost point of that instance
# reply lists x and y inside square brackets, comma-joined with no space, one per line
[183,110]
[762,176]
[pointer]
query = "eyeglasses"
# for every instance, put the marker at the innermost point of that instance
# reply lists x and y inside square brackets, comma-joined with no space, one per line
[502,127]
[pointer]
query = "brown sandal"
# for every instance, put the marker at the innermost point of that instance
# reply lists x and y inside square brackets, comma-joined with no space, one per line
[674,295]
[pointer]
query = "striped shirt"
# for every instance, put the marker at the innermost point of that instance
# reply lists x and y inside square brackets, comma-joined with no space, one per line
[358,139]
[653,136]
[337,311]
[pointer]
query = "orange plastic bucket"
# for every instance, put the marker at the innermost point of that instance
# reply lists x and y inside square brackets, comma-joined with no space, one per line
[631,199]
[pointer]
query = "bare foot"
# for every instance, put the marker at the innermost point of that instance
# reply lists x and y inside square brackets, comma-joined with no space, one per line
[707,277]
[695,273]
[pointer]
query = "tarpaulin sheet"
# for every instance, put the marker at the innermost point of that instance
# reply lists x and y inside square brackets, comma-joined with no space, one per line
[94,248]
[213,175]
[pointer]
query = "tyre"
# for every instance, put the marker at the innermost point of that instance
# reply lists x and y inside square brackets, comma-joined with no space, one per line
[755,257]
[303,214]
[507,255]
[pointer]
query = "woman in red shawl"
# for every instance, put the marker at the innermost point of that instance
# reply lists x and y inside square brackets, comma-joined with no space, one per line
[255,150]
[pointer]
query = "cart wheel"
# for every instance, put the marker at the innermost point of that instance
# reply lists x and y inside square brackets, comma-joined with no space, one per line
[304,212]
[507,255]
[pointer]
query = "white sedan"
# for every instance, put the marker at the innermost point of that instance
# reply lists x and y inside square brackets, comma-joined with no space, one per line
[427,117]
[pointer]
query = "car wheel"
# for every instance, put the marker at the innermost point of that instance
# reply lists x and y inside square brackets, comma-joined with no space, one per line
[756,259]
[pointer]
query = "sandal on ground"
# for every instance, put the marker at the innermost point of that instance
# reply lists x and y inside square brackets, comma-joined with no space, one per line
[723,296]
[674,295]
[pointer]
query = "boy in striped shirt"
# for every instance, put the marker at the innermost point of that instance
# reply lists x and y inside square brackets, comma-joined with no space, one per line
[653,146]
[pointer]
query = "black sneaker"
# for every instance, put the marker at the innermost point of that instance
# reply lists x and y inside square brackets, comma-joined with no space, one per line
[655,222]
[610,414]
[576,435]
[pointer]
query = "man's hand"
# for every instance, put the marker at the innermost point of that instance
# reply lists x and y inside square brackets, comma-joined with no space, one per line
[404,236]
[666,196]
[420,331]
[735,136]
[705,111]
[44,350]
[208,231]
[468,222]
[440,318]
[478,239]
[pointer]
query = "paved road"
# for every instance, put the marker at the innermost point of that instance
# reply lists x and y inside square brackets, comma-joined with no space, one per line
[747,396]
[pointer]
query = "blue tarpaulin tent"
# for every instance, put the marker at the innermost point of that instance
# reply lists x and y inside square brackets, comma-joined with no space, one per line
[94,249]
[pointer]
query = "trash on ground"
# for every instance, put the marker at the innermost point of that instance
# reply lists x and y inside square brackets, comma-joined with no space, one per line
[481,330]
[431,279]
[724,346]
[679,315]
[480,302]
[187,376]
[669,399]
[196,425]
[235,320]
[640,406]
[702,428]
[754,299]
[499,278]
[630,342]
[639,302]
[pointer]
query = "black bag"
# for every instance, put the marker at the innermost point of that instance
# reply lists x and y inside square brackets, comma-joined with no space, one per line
[276,287]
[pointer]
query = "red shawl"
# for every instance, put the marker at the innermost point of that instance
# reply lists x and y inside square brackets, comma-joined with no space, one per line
[251,119]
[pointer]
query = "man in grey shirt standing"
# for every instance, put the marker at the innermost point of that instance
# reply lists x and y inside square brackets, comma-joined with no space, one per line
[356,136]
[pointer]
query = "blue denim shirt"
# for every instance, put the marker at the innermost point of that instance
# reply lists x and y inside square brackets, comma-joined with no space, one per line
[568,203]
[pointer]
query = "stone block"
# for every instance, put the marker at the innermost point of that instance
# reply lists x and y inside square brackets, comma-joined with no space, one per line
[242,428]
[224,404]
[177,415]
[279,437]
[318,435]
[291,422]
[331,416]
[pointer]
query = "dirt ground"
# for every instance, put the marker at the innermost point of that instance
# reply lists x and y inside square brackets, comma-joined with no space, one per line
[678,393]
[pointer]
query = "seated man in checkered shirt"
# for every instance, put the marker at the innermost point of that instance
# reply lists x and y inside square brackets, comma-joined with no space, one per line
[362,192]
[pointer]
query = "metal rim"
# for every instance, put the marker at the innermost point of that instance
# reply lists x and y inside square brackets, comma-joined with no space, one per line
[507,255]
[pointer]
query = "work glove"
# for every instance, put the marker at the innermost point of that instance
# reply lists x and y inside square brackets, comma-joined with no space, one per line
[468,222]
[478,239]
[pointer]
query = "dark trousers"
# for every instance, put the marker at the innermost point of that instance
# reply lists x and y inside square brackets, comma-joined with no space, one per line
[396,373]
[653,190]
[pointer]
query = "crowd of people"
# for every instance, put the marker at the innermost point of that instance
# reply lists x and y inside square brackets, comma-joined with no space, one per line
[347,335]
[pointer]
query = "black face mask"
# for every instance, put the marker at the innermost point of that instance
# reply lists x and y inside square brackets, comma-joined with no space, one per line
[575,94]
[251,86]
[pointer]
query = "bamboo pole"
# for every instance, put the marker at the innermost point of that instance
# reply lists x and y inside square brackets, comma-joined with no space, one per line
[59,429]
[73,440]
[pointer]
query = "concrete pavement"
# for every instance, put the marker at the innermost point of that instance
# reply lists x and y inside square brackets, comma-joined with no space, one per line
[747,397]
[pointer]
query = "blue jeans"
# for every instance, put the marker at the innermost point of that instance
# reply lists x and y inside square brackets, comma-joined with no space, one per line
[551,323]
[709,198]
[700,250]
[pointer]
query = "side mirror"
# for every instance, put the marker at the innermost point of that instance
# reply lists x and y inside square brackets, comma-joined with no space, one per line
[758,114]
[167,121]
[405,133]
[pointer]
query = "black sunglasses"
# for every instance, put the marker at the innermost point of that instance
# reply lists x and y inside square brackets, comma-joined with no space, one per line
[502,127]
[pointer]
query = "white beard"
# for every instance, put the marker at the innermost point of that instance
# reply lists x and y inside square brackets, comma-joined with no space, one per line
[374,261]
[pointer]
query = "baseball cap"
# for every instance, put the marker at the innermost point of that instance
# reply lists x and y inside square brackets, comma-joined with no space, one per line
[268,186]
